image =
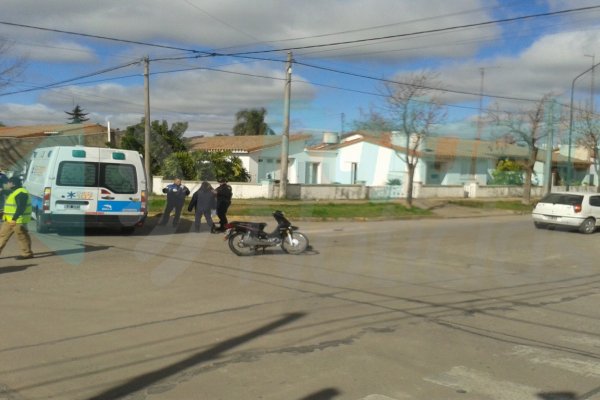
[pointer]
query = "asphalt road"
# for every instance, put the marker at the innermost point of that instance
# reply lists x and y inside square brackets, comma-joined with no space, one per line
[467,308]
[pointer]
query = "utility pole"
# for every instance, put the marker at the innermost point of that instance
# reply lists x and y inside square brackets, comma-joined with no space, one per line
[285,137]
[476,144]
[147,124]
[549,145]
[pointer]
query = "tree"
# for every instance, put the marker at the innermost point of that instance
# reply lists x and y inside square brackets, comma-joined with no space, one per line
[508,172]
[77,116]
[525,126]
[202,165]
[164,141]
[414,111]
[251,122]
[10,67]
[587,127]
[373,122]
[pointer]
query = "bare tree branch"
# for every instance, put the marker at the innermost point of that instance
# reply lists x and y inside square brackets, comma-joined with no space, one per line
[414,111]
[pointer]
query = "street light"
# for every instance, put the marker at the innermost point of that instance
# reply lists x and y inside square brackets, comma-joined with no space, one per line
[569,166]
[593,57]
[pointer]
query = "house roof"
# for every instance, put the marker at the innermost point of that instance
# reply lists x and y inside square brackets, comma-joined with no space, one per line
[443,147]
[240,144]
[17,142]
[46,130]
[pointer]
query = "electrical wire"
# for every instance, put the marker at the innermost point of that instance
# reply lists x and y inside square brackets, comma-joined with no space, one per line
[437,30]
[101,37]
[52,85]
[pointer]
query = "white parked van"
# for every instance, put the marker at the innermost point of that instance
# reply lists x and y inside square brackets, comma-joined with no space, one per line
[77,186]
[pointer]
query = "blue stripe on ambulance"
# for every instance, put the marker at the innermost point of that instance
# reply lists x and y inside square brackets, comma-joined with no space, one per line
[119,206]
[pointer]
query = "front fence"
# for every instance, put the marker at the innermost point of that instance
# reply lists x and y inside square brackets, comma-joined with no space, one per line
[270,190]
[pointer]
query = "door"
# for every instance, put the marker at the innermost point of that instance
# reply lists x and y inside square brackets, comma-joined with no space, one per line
[118,185]
[75,189]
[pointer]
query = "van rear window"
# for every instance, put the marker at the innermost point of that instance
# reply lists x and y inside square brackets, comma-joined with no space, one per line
[560,198]
[75,173]
[118,178]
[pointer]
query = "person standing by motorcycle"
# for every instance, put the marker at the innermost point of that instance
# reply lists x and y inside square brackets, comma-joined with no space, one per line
[224,194]
[203,200]
[176,194]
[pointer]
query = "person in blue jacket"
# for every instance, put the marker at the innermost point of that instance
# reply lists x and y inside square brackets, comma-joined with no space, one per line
[176,194]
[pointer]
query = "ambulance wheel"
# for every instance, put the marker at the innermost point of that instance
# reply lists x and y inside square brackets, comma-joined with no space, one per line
[40,226]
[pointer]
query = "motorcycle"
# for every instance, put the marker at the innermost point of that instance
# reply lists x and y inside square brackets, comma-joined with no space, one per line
[247,238]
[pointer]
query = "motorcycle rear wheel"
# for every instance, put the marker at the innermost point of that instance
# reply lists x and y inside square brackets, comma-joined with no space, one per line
[298,245]
[236,244]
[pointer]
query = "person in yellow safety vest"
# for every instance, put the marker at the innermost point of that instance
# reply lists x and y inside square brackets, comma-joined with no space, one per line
[17,213]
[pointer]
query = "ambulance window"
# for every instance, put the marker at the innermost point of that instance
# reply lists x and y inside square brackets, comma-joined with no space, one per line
[73,173]
[118,178]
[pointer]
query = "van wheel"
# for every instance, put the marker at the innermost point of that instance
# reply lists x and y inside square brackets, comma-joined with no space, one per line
[40,226]
[588,226]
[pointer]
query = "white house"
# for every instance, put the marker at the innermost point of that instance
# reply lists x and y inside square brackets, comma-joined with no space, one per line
[360,158]
[380,160]
[260,155]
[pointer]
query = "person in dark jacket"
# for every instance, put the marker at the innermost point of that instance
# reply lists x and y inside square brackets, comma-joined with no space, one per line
[176,194]
[203,200]
[224,195]
[17,213]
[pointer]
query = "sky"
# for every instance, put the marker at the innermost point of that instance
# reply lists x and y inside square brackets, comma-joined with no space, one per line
[209,59]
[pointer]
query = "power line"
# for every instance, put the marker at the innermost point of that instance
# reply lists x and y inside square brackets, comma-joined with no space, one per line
[370,27]
[478,24]
[63,82]
[101,37]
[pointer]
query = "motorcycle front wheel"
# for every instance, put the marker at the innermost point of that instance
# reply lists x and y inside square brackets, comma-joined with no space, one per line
[298,243]
[236,244]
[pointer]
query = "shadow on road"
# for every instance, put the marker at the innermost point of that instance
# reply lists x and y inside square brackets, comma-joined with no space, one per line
[558,396]
[145,380]
[8,270]
[85,248]
[325,394]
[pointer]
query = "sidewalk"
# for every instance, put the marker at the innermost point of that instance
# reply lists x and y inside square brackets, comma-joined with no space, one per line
[441,208]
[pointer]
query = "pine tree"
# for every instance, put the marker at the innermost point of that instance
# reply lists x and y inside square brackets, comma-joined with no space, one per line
[77,116]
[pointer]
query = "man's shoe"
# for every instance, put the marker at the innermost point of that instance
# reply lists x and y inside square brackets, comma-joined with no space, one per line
[213,229]
[24,257]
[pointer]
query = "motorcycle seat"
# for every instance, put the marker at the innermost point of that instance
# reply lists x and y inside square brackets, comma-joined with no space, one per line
[254,225]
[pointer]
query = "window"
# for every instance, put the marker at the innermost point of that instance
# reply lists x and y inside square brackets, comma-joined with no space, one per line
[565,199]
[312,173]
[118,178]
[353,173]
[595,201]
[74,173]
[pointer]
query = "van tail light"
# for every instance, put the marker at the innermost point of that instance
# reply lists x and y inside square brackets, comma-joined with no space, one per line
[144,202]
[577,208]
[46,201]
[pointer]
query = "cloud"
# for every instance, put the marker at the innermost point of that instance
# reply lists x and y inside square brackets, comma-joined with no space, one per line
[546,66]
[207,99]
[55,51]
[231,25]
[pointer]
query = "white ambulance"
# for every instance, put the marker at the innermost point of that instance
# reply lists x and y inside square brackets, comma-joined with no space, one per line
[77,186]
